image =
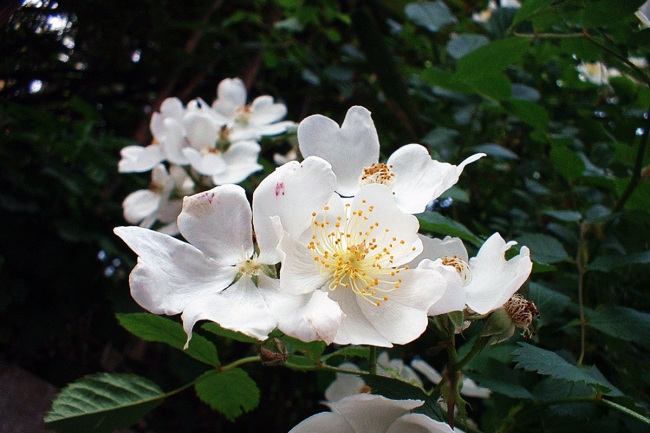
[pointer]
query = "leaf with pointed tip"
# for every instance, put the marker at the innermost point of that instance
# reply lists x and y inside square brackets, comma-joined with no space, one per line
[231,392]
[155,328]
[102,403]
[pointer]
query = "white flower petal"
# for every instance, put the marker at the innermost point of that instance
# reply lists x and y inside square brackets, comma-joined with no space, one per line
[355,327]
[316,317]
[403,317]
[264,111]
[218,222]
[427,371]
[298,274]
[241,162]
[454,295]
[140,204]
[231,94]
[239,308]
[495,280]
[471,389]
[170,273]
[420,179]
[418,423]
[200,130]
[138,159]
[208,164]
[172,107]
[169,211]
[349,148]
[345,384]
[293,192]
[323,422]
[173,141]
[372,413]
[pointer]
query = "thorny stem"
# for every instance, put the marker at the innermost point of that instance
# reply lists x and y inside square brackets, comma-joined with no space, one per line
[638,166]
[581,280]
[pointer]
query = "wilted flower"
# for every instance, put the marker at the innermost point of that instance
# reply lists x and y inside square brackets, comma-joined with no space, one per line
[371,413]
[353,150]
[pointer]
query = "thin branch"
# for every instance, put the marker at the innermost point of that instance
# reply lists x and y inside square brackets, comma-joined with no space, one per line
[581,301]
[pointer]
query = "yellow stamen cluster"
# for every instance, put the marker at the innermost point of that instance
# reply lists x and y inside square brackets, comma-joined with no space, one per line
[249,267]
[356,253]
[462,267]
[377,173]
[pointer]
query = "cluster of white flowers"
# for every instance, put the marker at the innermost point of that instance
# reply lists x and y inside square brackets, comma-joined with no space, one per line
[339,225]
[201,145]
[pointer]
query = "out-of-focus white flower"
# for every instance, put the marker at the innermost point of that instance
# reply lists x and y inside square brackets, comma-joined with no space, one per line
[483,283]
[349,384]
[597,73]
[371,413]
[639,62]
[280,159]
[643,14]
[353,150]
[469,388]
[356,253]
[484,15]
[164,147]
[248,122]
[162,201]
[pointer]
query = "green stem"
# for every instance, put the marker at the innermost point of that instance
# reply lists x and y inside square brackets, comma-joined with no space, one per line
[242,361]
[625,410]
[451,374]
[476,348]
[372,360]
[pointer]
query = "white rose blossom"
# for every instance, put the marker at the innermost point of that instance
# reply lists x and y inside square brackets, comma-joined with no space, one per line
[483,283]
[218,276]
[161,201]
[367,413]
[356,253]
[414,178]
[163,148]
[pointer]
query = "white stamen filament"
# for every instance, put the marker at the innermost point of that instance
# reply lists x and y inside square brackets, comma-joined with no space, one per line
[462,267]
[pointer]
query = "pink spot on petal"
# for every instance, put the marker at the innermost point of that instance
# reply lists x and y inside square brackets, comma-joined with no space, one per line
[279,189]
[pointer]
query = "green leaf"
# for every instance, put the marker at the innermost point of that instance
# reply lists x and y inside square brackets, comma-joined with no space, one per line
[150,327]
[431,15]
[362,352]
[564,215]
[312,349]
[494,85]
[395,388]
[623,323]
[500,378]
[227,333]
[529,112]
[605,12]
[549,302]
[231,392]
[496,150]
[103,402]
[543,248]
[438,77]
[567,162]
[437,223]
[545,362]
[491,58]
[609,263]
[460,45]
